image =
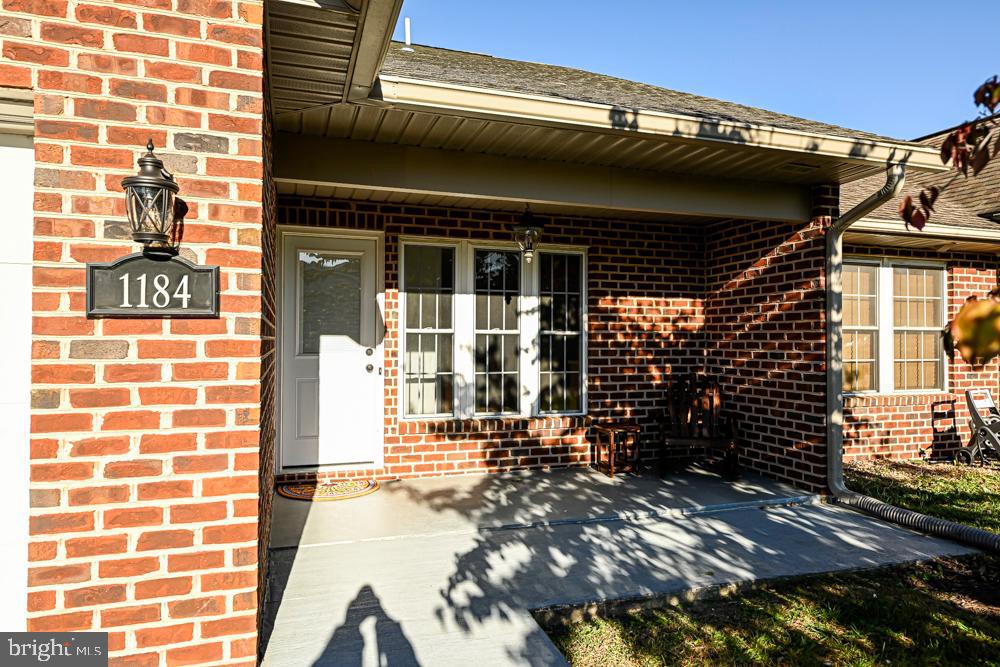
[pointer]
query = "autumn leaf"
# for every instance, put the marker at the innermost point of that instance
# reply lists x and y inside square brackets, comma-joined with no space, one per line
[975,331]
[906,208]
[988,94]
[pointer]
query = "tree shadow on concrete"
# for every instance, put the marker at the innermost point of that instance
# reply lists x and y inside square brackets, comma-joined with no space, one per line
[508,571]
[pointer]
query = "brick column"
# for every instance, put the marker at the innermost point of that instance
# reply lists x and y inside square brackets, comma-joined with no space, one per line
[764,319]
[144,432]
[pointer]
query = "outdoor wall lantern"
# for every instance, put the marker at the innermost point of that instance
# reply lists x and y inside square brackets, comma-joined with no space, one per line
[527,233]
[150,198]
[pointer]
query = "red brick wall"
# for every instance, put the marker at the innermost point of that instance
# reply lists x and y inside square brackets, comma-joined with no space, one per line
[931,424]
[644,302]
[764,314]
[144,473]
[745,301]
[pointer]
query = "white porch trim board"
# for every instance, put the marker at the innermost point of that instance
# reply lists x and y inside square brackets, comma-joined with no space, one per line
[307,159]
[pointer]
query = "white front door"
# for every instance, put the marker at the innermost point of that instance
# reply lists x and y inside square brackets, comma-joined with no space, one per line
[331,351]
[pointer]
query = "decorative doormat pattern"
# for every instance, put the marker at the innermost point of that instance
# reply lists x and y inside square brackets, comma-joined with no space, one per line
[328,490]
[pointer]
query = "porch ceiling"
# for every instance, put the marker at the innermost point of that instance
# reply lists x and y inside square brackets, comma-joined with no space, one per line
[592,189]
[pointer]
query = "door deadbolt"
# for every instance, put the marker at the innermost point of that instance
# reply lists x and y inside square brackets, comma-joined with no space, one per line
[369,368]
[369,352]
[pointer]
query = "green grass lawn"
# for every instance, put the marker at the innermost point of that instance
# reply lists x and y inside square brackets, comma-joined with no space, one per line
[942,613]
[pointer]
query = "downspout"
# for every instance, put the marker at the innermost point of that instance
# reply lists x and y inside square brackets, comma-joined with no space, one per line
[895,175]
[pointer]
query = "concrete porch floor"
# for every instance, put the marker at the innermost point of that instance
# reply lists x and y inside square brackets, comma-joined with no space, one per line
[445,571]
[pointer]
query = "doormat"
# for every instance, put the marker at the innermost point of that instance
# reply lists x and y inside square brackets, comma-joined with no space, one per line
[341,490]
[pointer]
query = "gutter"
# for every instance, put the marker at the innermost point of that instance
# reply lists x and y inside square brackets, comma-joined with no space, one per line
[895,176]
[930,230]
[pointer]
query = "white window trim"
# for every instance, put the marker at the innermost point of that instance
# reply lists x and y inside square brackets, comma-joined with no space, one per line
[464,339]
[885,379]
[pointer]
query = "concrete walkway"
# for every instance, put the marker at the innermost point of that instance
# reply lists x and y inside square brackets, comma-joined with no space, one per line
[438,573]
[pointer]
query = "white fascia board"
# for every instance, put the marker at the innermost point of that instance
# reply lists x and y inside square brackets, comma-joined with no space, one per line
[431,96]
[377,20]
[930,230]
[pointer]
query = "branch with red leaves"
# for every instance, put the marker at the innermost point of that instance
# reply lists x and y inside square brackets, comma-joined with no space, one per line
[971,145]
[975,331]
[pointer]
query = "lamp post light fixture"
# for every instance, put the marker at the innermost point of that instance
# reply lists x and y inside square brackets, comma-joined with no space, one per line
[150,197]
[527,233]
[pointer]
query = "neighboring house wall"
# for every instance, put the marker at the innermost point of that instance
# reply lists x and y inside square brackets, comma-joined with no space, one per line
[144,432]
[935,423]
[645,281]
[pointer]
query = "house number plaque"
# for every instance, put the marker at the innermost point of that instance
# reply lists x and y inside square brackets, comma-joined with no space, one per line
[145,286]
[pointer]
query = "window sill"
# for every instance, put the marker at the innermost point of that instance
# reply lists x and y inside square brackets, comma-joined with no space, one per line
[479,418]
[874,398]
[487,424]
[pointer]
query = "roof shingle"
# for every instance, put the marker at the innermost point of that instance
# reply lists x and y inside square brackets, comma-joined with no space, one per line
[960,205]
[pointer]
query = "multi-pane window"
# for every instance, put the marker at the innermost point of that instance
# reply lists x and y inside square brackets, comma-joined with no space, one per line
[893,314]
[497,288]
[918,312]
[860,327]
[560,332]
[484,334]
[429,288]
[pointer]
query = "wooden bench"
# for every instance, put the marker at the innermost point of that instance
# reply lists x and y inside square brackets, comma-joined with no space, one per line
[693,419]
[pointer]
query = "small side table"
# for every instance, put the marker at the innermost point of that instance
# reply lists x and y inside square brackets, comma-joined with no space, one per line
[618,442]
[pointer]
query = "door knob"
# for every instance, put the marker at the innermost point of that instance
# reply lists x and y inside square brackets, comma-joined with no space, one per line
[369,368]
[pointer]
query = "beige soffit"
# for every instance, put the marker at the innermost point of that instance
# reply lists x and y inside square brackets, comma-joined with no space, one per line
[16,111]
[323,52]
[433,96]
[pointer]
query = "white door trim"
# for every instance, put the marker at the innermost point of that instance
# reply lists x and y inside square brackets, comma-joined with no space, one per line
[17,172]
[287,231]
